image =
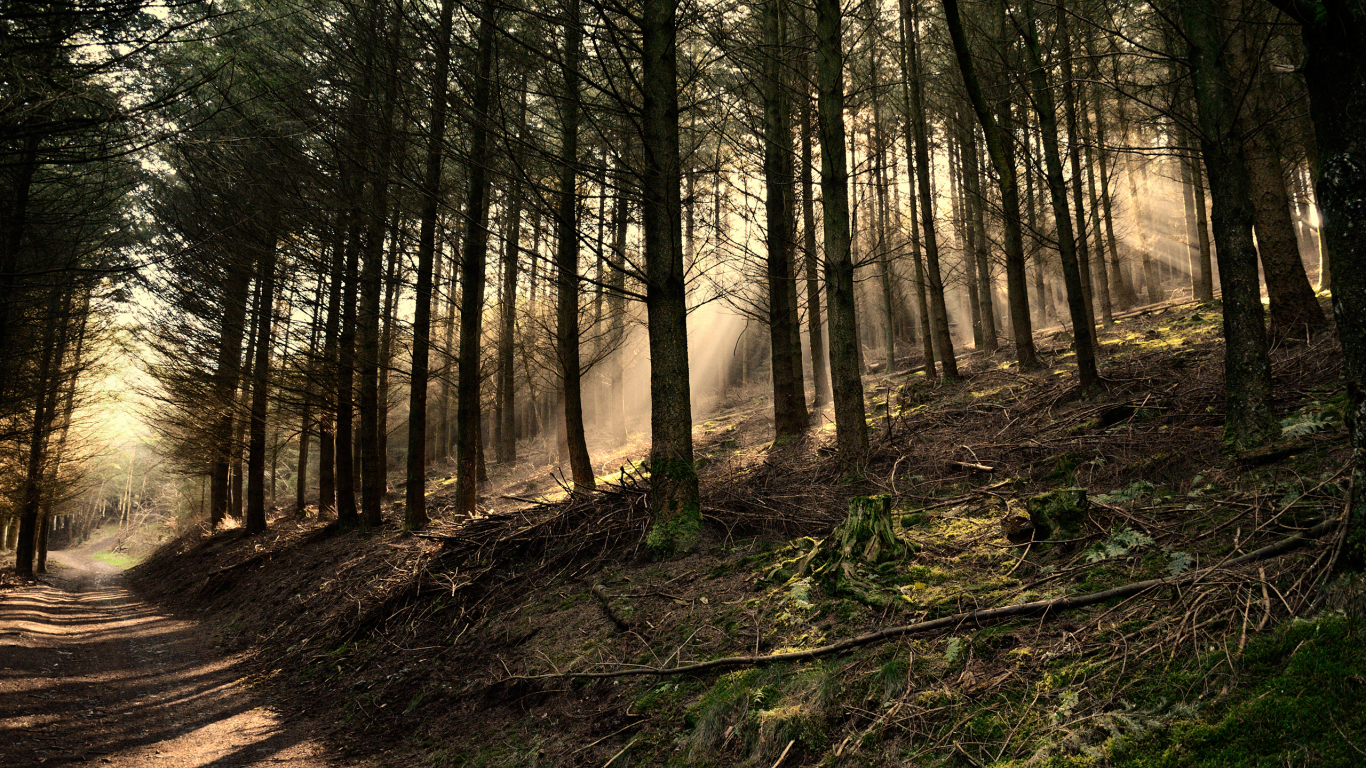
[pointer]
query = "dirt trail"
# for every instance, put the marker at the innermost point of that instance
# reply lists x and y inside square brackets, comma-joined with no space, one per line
[91,674]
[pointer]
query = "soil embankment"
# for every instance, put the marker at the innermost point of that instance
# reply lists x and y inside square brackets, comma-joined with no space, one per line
[91,674]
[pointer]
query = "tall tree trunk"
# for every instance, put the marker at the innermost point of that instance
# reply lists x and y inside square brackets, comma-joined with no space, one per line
[976,198]
[1102,281]
[1082,327]
[415,490]
[996,128]
[851,430]
[1121,290]
[820,375]
[227,373]
[567,257]
[674,505]
[472,267]
[1248,416]
[967,234]
[1295,310]
[789,397]
[1183,160]
[260,389]
[327,444]
[1069,100]
[31,495]
[616,310]
[507,381]
[939,317]
[1334,33]
[347,514]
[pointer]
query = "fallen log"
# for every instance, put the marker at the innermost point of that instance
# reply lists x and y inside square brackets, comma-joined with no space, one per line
[968,619]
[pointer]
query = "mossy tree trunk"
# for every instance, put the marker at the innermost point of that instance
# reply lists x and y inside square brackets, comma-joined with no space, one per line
[674,506]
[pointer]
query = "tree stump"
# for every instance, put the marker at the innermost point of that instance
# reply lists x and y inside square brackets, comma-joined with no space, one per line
[864,540]
[1058,515]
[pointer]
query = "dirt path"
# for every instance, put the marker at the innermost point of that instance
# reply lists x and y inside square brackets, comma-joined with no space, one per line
[90,674]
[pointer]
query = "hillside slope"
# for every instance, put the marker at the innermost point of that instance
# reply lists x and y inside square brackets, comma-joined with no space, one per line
[458,647]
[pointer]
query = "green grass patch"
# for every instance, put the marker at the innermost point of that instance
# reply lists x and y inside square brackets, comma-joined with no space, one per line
[117,559]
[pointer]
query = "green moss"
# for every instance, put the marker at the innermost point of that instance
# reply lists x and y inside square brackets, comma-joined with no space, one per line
[1061,513]
[1304,703]
[677,535]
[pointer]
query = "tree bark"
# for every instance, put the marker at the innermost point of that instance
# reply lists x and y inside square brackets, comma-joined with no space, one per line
[789,396]
[415,497]
[851,430]
[1248,417]
[226,376]
[472,268]
[999,145]
[1082,327]
[260,390]
[1069,100]
[674,505]
[820,374]
[347,515]
[567,257]
[976,199]
[1334,33]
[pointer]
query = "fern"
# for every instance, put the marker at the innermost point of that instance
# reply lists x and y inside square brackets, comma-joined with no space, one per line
[1120,544]
[1303,425]
[1131,492]
[1180,562]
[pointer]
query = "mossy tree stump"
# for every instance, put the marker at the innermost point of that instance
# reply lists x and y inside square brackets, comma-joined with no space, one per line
[1059,515]
[864,540]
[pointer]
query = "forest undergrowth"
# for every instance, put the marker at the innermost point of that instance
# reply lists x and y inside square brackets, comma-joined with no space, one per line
[460,646]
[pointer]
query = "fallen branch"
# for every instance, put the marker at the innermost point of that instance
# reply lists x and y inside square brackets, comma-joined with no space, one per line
[973,466]
[600,592]
[970,618]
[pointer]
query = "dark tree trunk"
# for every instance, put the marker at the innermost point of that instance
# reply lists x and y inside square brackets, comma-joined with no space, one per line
[45,386]
[851,430]
[327,445]
[1295,310]
[567,257]
[260,390]
[227,373]
[974,196]
[820,374]
[967,235]
[789,397]
[347,514]
[1102,280]
[1248,416]
[1334,34]
[415,496]
[616,310]
[996,129]
[1069,100]
[1191,220]
[674,505]
[507,381]
[1082,328]
[472,267]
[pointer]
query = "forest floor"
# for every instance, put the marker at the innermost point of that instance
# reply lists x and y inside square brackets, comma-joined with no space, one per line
[460,646]
[91,674]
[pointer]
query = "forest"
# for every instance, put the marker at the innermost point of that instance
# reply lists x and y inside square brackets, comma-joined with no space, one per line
[697,383]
